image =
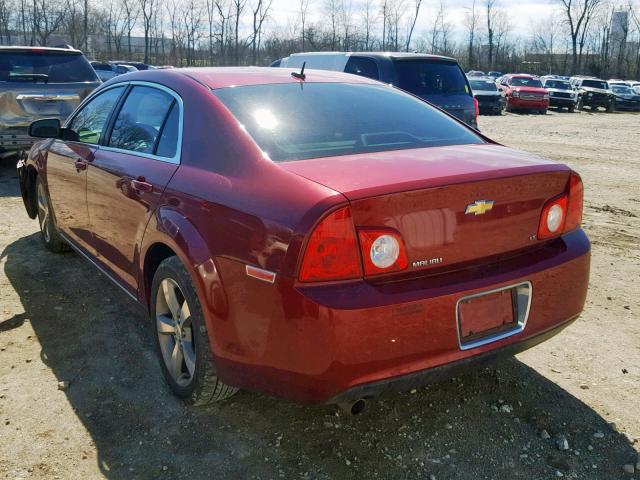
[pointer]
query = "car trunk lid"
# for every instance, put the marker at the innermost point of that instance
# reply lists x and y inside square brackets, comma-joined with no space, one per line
[452,205]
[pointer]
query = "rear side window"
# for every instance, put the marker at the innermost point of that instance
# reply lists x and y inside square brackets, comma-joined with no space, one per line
[296,122]
[140,120]
[364,67]
[431,77]
[168,142]
[87,126]
[52,67]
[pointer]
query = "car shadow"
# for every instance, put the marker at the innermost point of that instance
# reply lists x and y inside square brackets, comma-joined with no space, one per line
[486,424]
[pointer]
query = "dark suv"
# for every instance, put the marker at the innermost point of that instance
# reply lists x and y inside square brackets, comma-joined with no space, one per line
[38,82]
[594,93]
[438,80]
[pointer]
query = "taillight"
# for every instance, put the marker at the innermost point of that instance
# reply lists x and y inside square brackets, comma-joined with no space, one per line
[332,250]
[564,213]
[574,209]
[382,251]
[476,107]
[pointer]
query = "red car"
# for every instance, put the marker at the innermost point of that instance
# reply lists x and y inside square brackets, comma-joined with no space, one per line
[524,92]
[321,237]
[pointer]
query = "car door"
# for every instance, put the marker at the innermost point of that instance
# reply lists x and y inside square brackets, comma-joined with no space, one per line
[128,174]
[67,161]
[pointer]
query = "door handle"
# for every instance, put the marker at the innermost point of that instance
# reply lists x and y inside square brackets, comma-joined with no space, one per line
[141,185]
[80,165]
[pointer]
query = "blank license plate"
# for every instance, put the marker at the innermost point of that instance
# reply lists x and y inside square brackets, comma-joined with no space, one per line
[486,314]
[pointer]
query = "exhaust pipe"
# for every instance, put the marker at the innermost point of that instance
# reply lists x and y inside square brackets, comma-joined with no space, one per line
[354,408]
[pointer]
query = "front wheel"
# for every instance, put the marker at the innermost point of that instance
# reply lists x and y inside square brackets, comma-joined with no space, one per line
[571,109]
[48,231]
[182,340]
[611,107]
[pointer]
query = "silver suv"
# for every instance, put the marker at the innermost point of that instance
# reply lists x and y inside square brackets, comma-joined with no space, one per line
[39,82]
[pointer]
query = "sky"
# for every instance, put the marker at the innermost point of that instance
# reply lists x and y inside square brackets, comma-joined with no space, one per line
[523,15]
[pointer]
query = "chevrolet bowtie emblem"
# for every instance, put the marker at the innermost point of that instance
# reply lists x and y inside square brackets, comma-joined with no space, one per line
[479,207]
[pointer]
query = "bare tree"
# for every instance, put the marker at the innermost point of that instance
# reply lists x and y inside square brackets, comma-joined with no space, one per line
[578,16]
[132,13]
[545,36]
[260,11]
[416,12]
[368,20]
[490,17]
[471,23]
[148,9]
[304,7]
[238,6]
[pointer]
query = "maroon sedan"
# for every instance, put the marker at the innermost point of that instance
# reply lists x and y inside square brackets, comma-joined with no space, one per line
[322,238]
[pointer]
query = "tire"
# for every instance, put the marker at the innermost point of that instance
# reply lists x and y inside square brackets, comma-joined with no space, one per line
[48,230]
[181,336]
[580,104]
[611,107]
[571,109]
[543,111]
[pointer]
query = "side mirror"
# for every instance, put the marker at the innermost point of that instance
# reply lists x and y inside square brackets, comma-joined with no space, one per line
[45,128]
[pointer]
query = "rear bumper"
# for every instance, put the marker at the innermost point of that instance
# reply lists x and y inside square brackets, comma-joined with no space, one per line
[15,139]
[442,372]
[328,343]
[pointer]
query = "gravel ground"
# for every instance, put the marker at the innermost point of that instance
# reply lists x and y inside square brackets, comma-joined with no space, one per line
[81,394]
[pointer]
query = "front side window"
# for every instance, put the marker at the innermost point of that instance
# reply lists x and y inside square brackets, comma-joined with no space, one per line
[141,119]
[431,77]
[297,122]
[88,125]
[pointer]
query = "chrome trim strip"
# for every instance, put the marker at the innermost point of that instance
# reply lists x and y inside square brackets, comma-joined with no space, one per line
[176,159]
[84,255]
[521,321]
[47,96]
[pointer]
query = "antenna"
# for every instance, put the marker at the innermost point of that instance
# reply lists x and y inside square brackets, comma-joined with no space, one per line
[300,75]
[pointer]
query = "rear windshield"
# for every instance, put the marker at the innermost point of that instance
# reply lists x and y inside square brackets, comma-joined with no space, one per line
[594,84]
[301,121]
[50,67]
[559,84]
[525,82]
[429,77]
[483,85]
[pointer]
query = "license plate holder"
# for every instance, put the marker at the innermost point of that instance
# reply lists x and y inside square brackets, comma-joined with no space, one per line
[490,316]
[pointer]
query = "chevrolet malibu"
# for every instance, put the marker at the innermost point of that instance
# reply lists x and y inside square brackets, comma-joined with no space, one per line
[313,235]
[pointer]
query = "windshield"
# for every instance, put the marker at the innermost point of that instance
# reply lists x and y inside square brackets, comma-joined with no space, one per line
[525,82]
[47,66]
[594,84]
[301,121]
[559,84]
[431,77]
[483,85]
[622,89]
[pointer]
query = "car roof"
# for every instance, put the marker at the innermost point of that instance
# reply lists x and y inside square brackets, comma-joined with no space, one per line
[39,49]
[394,55]
[221,77]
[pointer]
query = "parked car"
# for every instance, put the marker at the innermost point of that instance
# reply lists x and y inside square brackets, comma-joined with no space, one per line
[490,99]
[136,65]
[476,73]
[625,98]
[494,74]
[617,81]
[321,237]
[594,93]
[38,82]
[439,80]
[561,93]
[524,92]
[106,71]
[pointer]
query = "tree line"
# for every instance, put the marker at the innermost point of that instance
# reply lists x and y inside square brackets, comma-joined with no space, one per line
[578,37]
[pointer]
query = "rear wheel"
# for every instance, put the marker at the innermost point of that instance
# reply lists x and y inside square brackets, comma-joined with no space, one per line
[182,340]
[611,107]
[580,104]
[50,236]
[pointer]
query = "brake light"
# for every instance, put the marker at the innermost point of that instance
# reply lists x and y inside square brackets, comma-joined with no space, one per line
[332,250]
[476,107]
[574,209]
[383,251]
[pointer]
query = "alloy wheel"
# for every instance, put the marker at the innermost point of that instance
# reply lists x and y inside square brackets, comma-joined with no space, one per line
[175,332]
[43,213]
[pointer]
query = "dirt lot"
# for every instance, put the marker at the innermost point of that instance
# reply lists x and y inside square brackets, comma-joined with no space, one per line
[61,321]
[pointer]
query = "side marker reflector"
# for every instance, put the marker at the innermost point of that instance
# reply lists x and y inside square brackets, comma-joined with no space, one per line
[260,274]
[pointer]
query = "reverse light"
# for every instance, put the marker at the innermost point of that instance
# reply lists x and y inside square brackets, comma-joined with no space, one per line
[553,217]
[383,251]
[564,213]
[332,250]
